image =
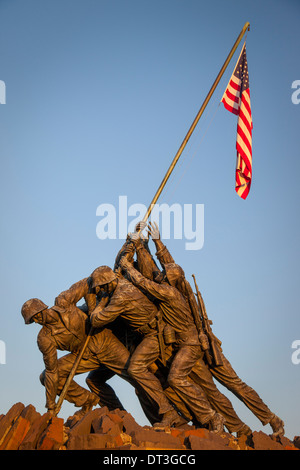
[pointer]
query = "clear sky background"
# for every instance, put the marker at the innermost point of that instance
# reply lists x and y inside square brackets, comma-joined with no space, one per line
[99,96]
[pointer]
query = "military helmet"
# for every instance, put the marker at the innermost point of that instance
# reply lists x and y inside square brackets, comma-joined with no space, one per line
[30,308]
[102,275]
[173,272]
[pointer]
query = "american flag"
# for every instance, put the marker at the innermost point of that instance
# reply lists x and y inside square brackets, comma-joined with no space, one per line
[236,99]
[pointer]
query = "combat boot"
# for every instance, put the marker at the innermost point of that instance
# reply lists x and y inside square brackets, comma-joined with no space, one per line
[170,418]
[217,423]
[93,400]
[277,426]
[244,431]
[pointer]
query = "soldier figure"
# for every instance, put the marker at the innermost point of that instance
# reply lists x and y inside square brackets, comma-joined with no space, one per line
[224,373]
[142,316]
[67,330]
[150,303]
[177,314]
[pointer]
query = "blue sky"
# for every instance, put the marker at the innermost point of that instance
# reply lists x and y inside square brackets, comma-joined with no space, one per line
[99,96]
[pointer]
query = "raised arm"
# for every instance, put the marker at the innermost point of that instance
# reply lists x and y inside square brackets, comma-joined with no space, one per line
[75,293]
[162,253]
[105,312]
[145,262]
[159,291]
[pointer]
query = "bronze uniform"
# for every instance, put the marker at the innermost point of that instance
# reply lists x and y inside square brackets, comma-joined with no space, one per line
[224,374]
[177,314]
[141,315]
[65,328]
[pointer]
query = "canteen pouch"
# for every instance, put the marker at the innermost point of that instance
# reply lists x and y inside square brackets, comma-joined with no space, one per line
[169,334]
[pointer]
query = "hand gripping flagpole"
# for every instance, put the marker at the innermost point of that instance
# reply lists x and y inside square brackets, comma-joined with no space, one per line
[158,193]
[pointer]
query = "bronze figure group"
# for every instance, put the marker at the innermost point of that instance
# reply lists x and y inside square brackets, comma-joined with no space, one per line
[146,325]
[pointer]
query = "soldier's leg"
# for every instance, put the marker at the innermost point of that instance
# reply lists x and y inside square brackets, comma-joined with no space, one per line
[161,372]
[227,376]
[106,349]
[150,407]
[191,393]
[201,375]
[76,394]
[96,380]
[144,355]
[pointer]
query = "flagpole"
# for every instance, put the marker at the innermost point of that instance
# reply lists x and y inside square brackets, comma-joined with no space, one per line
[195,122]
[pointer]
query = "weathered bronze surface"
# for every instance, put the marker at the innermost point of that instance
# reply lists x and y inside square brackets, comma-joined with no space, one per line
[144,323]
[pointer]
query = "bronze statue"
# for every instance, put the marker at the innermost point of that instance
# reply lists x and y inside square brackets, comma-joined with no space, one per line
[66,330]
[147,266]
[224,372]
[177,314]
[65,327]
[148,329]
[142,316]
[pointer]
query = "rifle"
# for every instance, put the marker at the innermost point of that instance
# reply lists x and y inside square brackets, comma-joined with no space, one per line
[215,343]
[204,341]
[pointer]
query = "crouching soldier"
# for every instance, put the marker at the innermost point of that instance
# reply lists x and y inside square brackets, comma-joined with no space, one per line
[67,330]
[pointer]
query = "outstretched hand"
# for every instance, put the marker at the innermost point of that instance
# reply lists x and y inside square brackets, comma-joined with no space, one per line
[153,231]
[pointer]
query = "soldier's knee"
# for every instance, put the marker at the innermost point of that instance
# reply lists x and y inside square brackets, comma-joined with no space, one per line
[135,370]
[174,380]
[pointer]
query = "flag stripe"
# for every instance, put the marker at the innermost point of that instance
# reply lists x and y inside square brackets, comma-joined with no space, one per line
[244,151]
[245,128]
[235,84]
[241,138]
[233,97]
[246,103]
[244,118]
[232,108]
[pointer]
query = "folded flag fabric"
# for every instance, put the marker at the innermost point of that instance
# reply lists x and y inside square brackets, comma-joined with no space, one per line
[236,99]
